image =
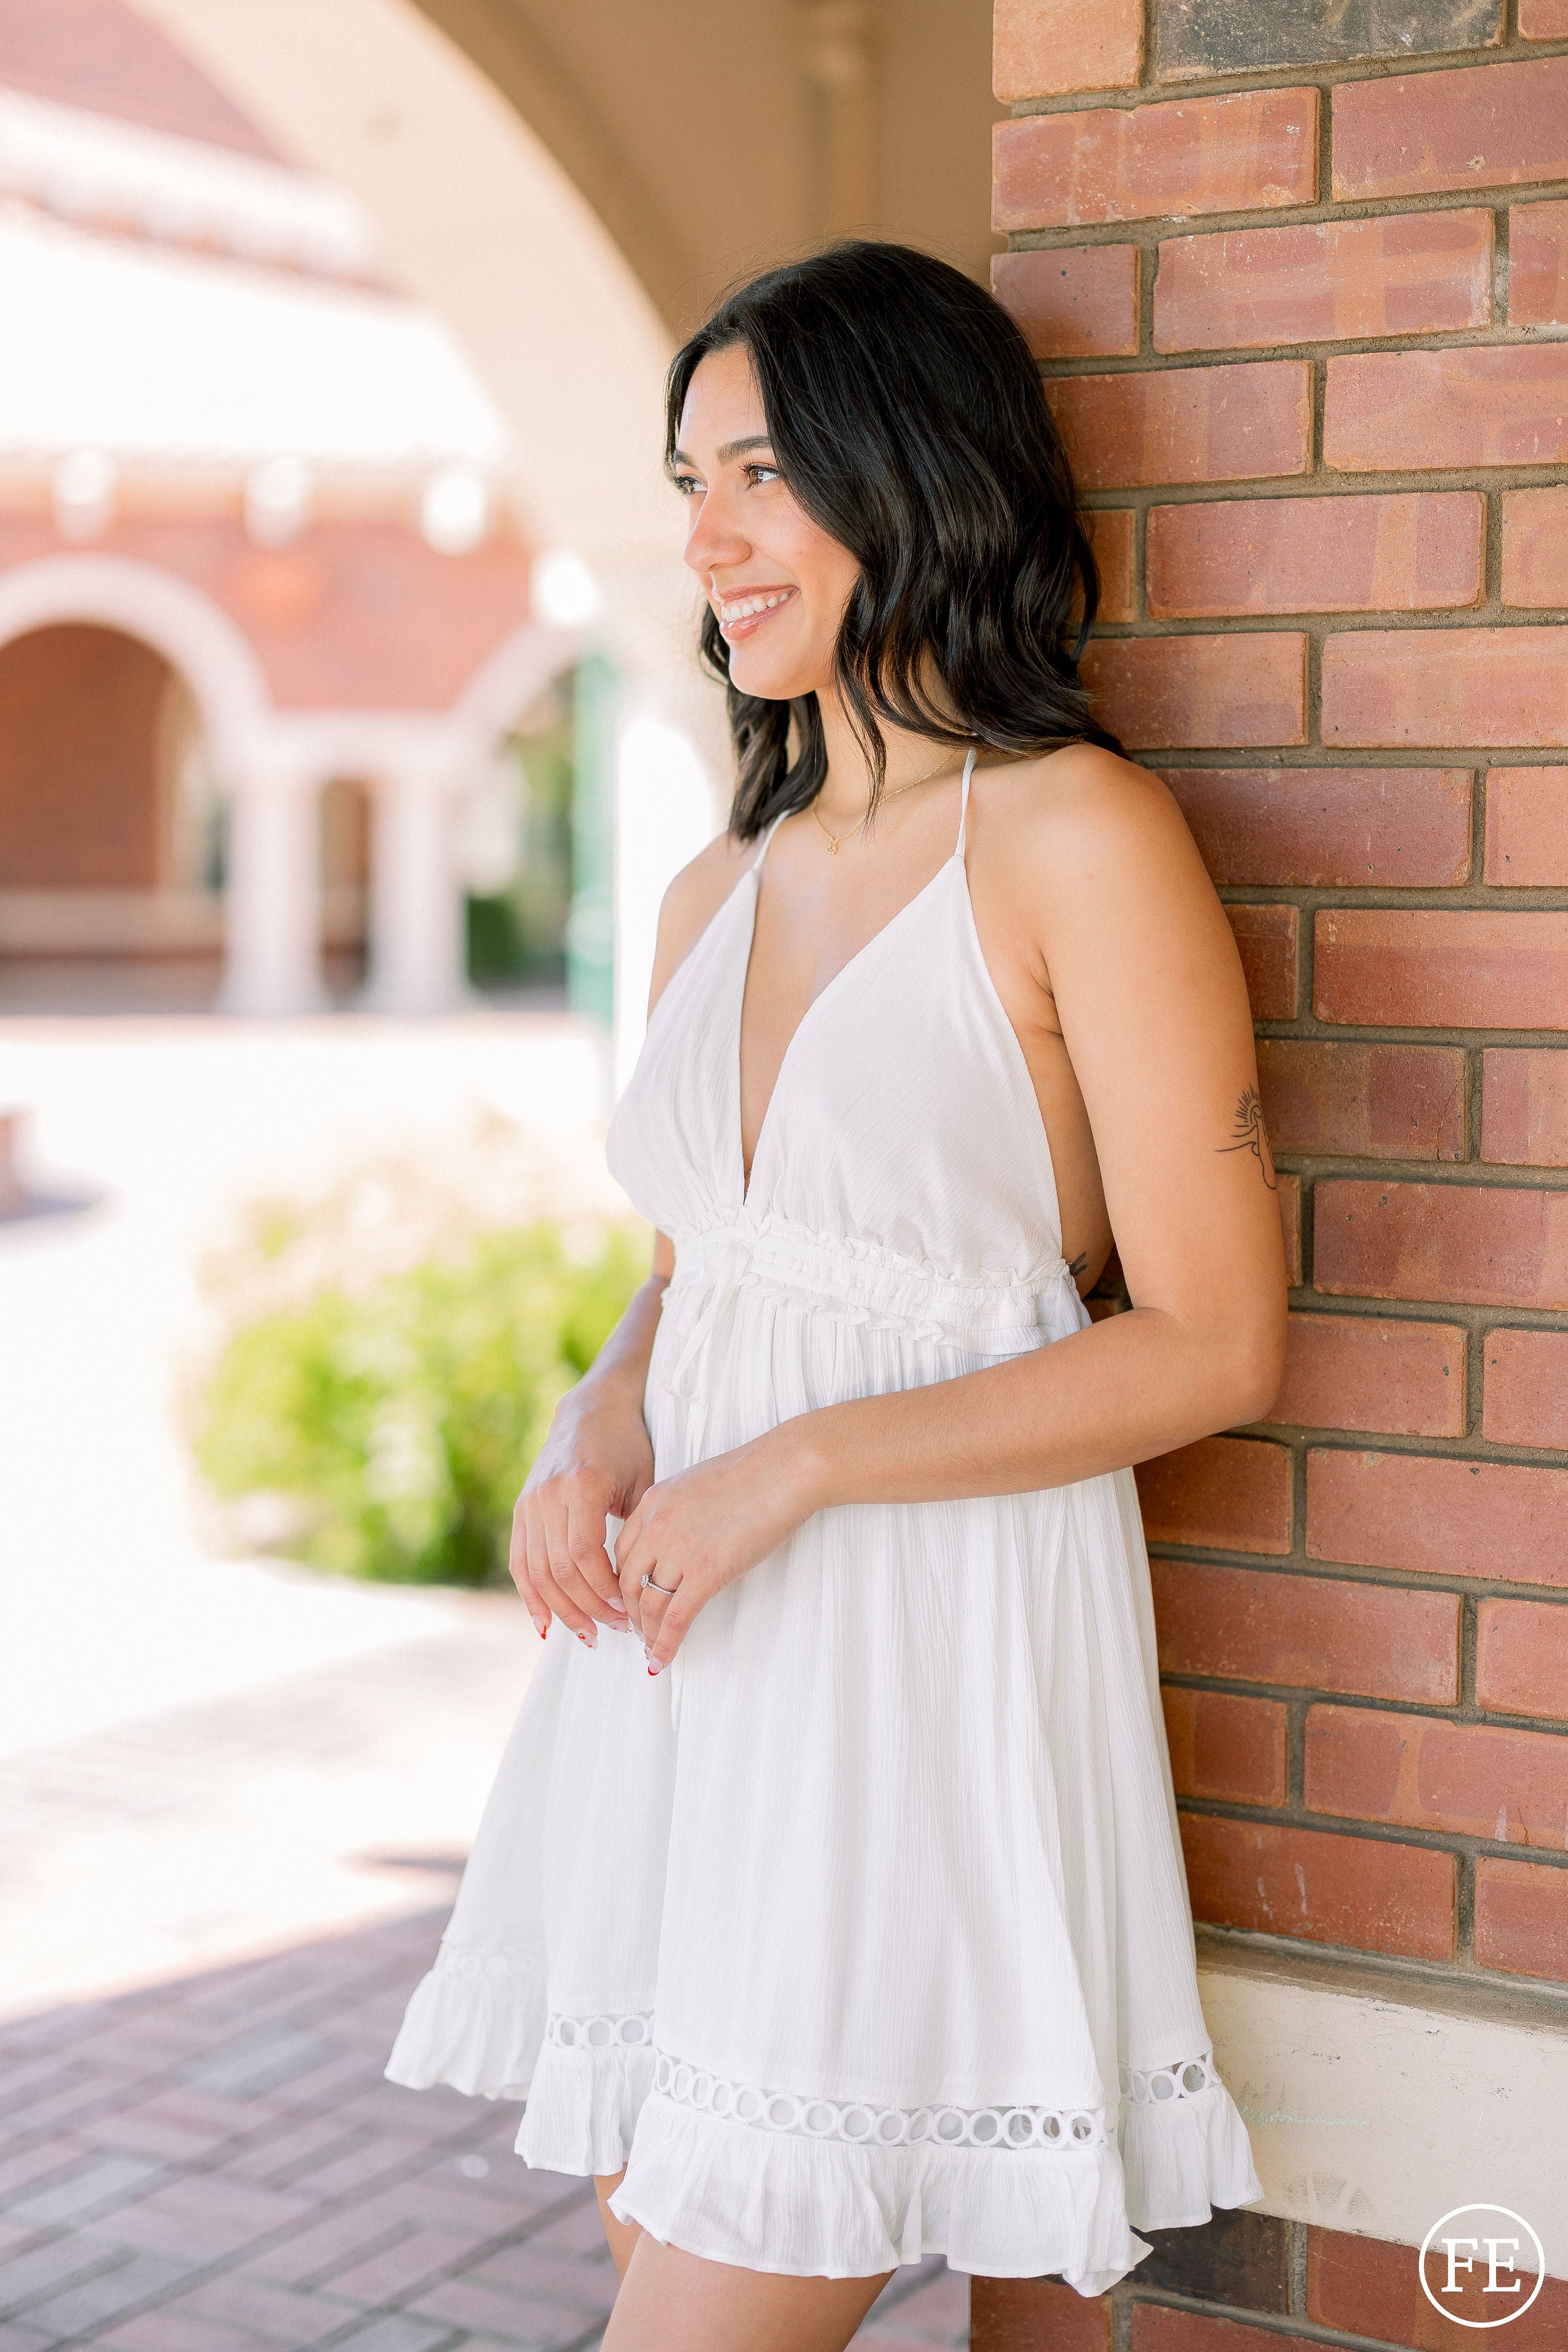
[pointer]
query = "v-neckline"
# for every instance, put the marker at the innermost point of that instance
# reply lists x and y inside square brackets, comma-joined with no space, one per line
[954,857]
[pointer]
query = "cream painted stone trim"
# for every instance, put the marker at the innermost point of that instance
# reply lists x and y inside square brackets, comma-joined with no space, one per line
[1375,2104]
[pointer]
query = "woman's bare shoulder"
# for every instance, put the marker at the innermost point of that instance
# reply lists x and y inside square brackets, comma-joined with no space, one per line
[1086,818]
[692,900]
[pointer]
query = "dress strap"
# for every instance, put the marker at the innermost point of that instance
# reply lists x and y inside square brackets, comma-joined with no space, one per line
[756,864]
[963,801]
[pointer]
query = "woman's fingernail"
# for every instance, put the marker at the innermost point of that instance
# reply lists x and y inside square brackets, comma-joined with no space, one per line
[540,1630]
[587,1640]
[653,1670]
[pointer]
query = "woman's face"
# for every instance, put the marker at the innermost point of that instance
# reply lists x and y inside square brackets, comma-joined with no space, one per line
[776,580]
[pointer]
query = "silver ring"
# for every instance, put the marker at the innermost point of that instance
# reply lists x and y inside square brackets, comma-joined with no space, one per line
[668,1590]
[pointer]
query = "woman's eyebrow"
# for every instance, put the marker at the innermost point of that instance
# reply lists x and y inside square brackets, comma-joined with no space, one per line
[729,449]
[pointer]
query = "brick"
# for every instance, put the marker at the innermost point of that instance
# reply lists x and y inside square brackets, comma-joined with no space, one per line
[1524,1107]
[405,2264]
[1167,2328]
[1437,1517]
[1276,1879]
[1522,1658]
[1042,49]
[1493,126]
[1418,553]
[1363,1371]
[1536,549]
[1382,1102]
[1427,969]
[1413,1771]
[1248,420]
[1226,1745]
[1231,1492]
[1237,2258]
[1413,411]
[1544,20]
[1268,940]
[1538,265]
[1291,1222]
[1197,38]
[1252,149]
[1526,1392]
[1482,1245]
[1073,302]
[1521,1917]
[1320,1632]
[1370,2286]
[271,2312]
[1329,827]
[1421,687]
[1527,827]
[1328,281]
[216,2215]
[1169,693]
[1018,2314]
[1110,536]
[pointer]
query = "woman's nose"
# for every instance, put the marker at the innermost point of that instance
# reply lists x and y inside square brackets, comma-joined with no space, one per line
[713,540]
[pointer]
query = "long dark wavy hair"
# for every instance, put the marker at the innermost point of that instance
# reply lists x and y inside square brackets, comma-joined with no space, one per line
[908,419]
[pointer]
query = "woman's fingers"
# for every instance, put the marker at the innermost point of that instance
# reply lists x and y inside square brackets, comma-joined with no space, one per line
[586,1529]
[517,1561]
[550,1567]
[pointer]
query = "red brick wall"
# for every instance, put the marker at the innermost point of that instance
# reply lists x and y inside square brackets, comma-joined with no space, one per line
[1301,310]
[78,761]
[1297,277]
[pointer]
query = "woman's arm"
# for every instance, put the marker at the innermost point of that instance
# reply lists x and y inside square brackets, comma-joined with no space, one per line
[1137,959]
[597,1460]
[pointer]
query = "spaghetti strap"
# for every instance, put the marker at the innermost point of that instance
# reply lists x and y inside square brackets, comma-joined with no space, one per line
[756,864]
[963,801]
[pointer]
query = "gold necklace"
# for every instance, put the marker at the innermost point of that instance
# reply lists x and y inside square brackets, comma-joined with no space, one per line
[833,839]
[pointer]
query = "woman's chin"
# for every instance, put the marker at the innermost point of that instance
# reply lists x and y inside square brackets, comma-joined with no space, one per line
[771,680]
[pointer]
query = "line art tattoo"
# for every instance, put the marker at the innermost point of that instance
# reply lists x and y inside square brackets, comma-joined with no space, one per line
[1251,1137]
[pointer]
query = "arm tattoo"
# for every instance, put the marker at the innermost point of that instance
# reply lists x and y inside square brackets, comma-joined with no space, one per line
[1249,1136]
[1080,1262]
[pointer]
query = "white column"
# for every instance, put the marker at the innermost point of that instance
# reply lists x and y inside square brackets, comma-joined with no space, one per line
[272,916]
[418,948]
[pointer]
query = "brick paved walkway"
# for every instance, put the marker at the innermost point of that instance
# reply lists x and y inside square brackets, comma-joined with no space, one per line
[215,2165]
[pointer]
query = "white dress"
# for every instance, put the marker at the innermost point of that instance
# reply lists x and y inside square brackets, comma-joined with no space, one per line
[862,1932]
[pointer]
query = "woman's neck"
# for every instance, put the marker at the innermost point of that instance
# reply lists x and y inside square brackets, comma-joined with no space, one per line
[847,790]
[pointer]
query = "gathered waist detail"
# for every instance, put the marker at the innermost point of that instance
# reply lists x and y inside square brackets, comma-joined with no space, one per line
[856,1284]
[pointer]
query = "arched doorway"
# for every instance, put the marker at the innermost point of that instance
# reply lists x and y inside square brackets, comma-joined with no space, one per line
[109,838]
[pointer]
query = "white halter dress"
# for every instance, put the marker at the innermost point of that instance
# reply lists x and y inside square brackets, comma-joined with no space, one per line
[862,1933]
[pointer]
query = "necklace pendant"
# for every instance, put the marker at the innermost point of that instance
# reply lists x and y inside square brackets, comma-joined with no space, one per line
[833,846]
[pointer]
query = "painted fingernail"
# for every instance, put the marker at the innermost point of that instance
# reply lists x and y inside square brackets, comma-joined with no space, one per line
[539,1629]
[619,1607]
[587,1640]
[653,1670]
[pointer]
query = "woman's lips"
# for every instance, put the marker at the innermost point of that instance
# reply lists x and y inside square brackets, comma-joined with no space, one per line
[741,615]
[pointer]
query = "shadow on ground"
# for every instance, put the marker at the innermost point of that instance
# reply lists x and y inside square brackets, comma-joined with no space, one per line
[215,2164]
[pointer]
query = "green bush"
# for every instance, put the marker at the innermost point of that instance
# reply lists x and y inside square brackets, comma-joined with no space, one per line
[402,1422]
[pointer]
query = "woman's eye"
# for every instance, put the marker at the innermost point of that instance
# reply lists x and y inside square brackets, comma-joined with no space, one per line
[686,484]
[768,473]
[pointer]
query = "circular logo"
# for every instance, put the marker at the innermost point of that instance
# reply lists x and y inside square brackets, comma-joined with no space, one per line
[1475,2243]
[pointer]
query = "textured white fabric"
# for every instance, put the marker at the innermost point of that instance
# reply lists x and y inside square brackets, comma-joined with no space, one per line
[888,1861]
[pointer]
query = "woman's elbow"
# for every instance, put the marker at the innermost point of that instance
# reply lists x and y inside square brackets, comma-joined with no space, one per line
[1253,1368]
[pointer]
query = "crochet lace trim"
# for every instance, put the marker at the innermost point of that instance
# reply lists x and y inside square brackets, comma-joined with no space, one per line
[863,2122]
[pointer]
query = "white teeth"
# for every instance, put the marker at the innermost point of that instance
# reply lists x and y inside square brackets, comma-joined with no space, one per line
[748,605]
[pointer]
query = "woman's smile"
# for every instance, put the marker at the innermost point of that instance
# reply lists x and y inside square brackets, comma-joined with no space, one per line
[743,611]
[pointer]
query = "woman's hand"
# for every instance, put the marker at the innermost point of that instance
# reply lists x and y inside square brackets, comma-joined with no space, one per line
[596,1461]
[697,1531]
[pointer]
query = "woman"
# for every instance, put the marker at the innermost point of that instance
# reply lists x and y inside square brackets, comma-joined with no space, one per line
[842,1918]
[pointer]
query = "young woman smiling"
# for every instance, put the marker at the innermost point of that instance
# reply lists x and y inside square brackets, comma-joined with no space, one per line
[842,1920]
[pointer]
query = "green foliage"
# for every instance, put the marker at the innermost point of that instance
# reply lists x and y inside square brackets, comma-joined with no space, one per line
[402,1420]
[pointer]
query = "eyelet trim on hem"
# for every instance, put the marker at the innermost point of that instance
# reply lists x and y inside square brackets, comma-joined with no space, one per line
[865,2125]
[1184,2080]
[630,2031]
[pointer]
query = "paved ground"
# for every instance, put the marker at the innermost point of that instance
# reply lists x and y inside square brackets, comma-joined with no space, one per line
[215,2164]
[234,1796]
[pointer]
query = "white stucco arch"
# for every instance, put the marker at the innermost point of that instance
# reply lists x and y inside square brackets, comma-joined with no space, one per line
[193,635]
